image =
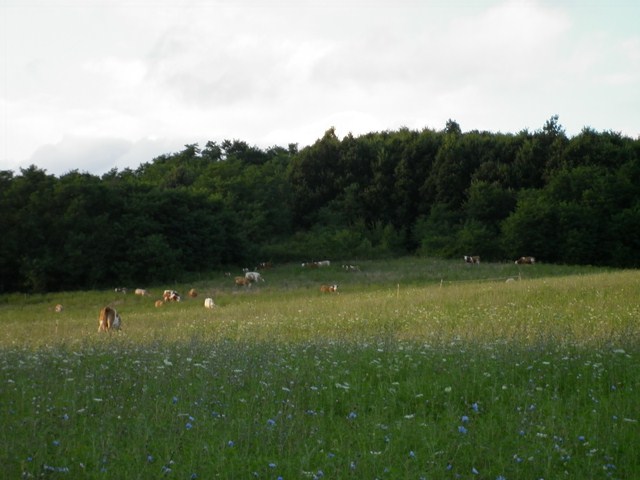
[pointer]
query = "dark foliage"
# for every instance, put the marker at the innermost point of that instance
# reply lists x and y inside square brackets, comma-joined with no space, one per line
[438,193]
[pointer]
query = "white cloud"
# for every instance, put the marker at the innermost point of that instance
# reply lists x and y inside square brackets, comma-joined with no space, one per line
[283,71]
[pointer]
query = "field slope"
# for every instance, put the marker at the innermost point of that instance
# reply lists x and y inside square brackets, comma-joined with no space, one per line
[431,370]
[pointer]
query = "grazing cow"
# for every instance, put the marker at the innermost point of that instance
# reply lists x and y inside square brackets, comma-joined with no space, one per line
[323,263]
[328,288]
[159,303]
[254,277]
[141,291]
[264,266]
[473,260]
[351,268]
[58,308]
[171,296]
[109,319]
[526,261]
[193,293]
[121,289]
[310,265]
[242,282]
[208,303]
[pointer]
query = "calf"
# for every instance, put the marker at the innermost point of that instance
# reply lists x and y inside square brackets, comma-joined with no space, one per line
[329,288]
[526,261]
[193,293]
[208,303]
[473,260]
[59,308]
[109,319]
[159,303]
[141,291]
[171,296]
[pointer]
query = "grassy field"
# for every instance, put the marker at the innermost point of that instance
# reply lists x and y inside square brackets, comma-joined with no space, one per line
[416,369]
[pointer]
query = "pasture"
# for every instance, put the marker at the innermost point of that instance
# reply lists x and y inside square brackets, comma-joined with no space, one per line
[418,369]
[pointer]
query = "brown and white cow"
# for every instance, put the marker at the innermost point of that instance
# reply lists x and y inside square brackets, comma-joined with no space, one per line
[109,319]
[329,288]
[193,293]
[472,259]
[171,296]
[526,261]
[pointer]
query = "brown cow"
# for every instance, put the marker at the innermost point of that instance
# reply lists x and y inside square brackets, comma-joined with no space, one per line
[474,260]
[526,261]
[193,293]
[242,282]
[109,319]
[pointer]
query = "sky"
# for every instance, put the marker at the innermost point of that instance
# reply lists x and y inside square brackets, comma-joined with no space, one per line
[93,85]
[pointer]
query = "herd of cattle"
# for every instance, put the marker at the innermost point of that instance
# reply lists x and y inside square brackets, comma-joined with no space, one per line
[475,259]
[109,319]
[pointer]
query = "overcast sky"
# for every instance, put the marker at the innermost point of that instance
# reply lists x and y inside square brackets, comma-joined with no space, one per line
[97,84]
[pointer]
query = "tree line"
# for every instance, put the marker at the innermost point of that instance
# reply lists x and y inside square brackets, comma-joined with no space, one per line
[440,193]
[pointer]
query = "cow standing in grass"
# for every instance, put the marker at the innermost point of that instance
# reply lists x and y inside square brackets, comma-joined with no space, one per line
[109,319]
[526,261]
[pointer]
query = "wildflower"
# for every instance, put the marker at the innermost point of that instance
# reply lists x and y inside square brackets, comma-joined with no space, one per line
[272,465]
[462,430]
[56,443]
[412,454]
[230,443]
[352,416]
[581,438]
[464,419]
[474,471]
[149,458]
[174,400]
[188,426]
[271,422]
[475,407]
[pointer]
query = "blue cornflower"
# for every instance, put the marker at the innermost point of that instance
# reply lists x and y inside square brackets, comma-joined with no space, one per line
[581,438]
[188,426]
[462,429]
[230,443]
[352,416]
[474,471]
[464,419]
[174,400]
[412,454]
[272,465]
[271,422]
[149,458]
[475,407]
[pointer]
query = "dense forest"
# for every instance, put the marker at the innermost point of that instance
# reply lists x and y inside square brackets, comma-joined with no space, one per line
[430,193]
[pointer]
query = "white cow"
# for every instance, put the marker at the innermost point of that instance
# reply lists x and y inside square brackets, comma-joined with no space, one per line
[208,303]
[254,277]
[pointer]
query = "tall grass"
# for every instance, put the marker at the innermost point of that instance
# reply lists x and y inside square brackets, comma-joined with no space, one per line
[413,371]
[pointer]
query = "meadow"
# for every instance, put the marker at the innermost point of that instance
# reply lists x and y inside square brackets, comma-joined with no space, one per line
[417,369]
